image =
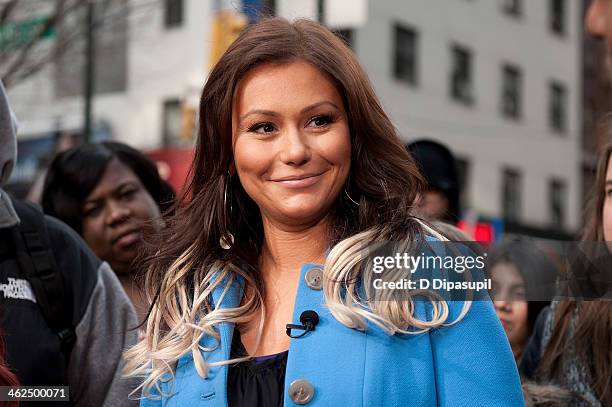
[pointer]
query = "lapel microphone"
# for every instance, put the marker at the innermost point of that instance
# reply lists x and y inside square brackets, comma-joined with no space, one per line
[309,320]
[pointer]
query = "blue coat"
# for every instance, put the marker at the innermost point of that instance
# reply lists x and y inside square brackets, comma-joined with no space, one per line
[468,364]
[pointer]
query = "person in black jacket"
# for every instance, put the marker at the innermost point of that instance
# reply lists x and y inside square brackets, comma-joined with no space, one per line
[441,199]
[76,340]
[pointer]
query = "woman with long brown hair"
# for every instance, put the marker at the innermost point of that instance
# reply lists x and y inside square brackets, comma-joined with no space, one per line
[573,347]
[297,169]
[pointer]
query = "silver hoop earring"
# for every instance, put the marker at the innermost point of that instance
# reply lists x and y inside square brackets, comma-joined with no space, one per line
[227,239]
[349,197]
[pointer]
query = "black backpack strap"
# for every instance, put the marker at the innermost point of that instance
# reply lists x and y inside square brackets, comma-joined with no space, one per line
[37,263]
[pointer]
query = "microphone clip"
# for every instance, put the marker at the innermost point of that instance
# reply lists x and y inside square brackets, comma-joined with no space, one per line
[309,320]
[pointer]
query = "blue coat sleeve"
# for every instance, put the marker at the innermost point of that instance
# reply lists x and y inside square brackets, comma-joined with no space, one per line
[473,362]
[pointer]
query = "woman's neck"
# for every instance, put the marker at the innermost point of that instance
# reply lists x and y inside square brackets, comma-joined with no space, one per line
[286,249]
[135,294]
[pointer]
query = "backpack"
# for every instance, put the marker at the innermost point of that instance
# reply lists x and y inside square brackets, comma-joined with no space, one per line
[31,249]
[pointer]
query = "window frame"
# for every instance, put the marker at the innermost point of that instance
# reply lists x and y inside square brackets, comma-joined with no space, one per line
[410,57]
[462,55]
[510,71]
[557,111]
[174,14]
[171,105]
[557,24]
[514,10]
[512,213]
[557,185]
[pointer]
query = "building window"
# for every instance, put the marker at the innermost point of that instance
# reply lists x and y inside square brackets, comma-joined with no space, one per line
[512,7]
[557,195]
[558,102]
[173,13]
[406,54]
[461,75]
[512,79]
[557,16]
[511,195]
[172,121]
[347,35]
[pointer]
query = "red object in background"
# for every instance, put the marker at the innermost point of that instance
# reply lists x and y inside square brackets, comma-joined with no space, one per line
[173,165]
[482,232]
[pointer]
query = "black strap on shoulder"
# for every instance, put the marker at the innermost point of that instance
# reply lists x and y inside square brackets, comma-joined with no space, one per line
[37,263]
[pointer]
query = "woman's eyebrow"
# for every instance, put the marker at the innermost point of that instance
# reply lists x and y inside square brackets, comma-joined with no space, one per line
[92,201]
[258,111]
[122,186]
[275,114]
[315,105]
[113,192]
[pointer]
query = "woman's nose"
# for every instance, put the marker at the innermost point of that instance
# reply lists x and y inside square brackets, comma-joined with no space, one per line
[503,305]
[295,148]
[117,213]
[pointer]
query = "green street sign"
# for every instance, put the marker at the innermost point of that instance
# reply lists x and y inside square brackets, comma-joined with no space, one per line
[16,34]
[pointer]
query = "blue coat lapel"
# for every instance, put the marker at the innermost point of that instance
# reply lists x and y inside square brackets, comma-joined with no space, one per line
[330,358]
[212,391]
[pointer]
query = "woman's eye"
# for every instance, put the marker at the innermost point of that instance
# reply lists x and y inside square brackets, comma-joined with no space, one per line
[92,211]
[609,193]
[127,194]
[321,121]
[262,128]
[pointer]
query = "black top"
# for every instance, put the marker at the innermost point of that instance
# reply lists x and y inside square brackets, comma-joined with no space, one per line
[256,382]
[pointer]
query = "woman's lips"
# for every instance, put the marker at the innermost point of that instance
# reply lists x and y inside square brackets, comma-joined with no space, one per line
[128,239]
[301,182]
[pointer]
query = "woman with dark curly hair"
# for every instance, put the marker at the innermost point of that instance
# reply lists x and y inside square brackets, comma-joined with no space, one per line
[110,193]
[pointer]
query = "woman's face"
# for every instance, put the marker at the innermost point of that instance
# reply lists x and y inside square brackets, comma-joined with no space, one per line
[509,298]
[291,140]
[114,216]
[607,206]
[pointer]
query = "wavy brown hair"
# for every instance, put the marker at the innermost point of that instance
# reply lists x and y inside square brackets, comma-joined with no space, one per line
[186,263]
[592,334]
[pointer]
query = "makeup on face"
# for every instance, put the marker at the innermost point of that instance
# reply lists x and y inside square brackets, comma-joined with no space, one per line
[291,141]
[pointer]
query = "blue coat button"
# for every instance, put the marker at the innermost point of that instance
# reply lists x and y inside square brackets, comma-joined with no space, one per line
[314,278]
[301,391]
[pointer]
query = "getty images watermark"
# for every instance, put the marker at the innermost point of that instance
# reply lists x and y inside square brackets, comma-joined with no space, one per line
[525,271]
[397,272]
